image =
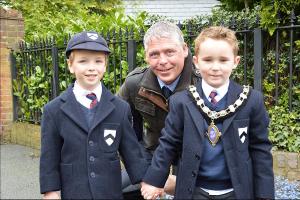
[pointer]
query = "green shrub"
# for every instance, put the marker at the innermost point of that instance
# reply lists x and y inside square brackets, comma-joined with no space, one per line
[284,130]
[284,127]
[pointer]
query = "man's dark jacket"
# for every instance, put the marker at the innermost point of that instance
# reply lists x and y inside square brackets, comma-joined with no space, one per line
[148,105]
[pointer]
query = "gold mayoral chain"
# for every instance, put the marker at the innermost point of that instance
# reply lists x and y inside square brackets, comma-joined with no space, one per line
[213,132]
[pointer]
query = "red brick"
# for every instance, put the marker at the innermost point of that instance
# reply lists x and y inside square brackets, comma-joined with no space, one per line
[21,34]
[6,97]
[4,56]
[6,116]
[6,121]
[5,105]
[3,45]
[10,13]
[4,67]
[11,32]
[5,91]
[5,74]
[7,110]
[2,24]
[5,82]
[11,28]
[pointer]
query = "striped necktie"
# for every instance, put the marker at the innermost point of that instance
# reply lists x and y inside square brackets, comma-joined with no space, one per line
[212,96]
[93,98]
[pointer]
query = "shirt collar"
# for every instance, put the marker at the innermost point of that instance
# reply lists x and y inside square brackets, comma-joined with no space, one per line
[79,91]
[171,86]
[222,91]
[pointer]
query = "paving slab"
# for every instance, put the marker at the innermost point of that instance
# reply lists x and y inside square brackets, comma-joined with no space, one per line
[19,172]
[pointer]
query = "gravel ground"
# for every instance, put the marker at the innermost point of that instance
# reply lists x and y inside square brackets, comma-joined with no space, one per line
[285,189]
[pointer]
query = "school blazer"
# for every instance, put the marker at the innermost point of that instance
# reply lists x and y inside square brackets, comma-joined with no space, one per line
[82,162]
[249,163]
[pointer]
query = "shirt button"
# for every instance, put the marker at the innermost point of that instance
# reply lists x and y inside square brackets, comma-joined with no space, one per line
[91,143]
[92,158]
[93,175]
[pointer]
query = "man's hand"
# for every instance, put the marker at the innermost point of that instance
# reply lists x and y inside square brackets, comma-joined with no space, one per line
[150,192]
[170,185]
[51,195]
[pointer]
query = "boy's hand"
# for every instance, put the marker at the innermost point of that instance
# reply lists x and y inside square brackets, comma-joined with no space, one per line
[51,195]
[150,192]
[170,185]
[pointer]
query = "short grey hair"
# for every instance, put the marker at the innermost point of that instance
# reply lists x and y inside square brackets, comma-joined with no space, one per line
[163,29]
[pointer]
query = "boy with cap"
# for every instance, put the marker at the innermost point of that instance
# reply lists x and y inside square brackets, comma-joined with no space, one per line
[219,128]
[84,130]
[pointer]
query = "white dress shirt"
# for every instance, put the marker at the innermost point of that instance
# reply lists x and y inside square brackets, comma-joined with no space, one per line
[221,91]
[80,94]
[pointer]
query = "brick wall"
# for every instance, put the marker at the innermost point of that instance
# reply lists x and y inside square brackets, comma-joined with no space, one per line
[11,32]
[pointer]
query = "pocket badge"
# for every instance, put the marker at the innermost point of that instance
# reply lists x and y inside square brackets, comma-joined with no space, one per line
[243,133]
[109,136]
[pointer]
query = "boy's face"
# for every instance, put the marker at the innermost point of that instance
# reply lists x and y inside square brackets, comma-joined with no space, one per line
[216,61]
[166,58]
[88,67]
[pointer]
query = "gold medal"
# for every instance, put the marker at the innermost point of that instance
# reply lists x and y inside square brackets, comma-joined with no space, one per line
[213,134]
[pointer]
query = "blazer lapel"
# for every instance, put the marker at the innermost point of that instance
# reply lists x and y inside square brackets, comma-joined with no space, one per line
[72,110]
[104,107]
[234,91]
[195,113]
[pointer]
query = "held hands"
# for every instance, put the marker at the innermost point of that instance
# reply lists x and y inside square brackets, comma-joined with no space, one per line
[51,195]
[150,192]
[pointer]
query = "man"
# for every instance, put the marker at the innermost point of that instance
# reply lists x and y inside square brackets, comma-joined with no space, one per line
[147,90]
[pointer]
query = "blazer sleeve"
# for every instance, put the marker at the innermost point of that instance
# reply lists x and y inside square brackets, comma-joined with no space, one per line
[131,151]
[170,144]
[51,144]
[260,150]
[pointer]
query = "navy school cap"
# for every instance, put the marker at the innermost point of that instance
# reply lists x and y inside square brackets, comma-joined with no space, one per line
[87,40]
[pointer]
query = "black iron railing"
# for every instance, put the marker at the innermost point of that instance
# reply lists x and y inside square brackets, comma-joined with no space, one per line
[42,64]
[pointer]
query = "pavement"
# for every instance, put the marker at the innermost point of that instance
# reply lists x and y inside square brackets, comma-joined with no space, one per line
[20,175]
[19,172]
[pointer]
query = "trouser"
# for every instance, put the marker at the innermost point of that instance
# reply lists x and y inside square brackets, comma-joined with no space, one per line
[201,194]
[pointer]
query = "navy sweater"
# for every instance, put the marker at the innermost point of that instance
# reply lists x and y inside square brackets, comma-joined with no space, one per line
[213,171]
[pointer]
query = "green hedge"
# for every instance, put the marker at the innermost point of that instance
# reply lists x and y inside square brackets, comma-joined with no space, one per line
[285,125]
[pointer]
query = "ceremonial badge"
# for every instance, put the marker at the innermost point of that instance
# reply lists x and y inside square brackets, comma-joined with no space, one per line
[213,132]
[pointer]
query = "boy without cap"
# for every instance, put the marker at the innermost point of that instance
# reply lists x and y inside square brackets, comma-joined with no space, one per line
[220,130]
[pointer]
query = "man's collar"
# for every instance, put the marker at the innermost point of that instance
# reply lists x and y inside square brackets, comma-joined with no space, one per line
[171,86]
